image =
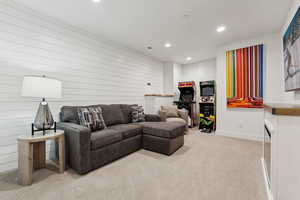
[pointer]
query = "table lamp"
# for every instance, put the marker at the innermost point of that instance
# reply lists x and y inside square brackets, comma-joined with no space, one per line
[43,87]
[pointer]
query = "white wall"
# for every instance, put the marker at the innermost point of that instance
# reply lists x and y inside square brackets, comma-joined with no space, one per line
[248,123]
[244,122]
[168,78]
[92,71]
[172,75]
[200,71]
[177,78]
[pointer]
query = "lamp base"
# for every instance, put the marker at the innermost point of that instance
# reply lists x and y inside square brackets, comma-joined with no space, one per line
[33,130]
[43,118]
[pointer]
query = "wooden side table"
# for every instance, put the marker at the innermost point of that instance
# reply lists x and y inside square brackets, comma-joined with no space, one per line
[32,154]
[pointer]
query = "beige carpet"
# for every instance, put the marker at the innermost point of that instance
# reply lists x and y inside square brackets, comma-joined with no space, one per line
[206,168]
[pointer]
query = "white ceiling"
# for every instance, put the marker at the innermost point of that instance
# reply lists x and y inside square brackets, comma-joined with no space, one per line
[189,25]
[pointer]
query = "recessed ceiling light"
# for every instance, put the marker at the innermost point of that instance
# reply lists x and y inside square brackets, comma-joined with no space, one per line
[168,45]
[189,58]
[96,1]
[221,29]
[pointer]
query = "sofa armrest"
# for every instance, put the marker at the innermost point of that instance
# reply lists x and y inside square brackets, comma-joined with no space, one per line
[152,118]
[184,114]
[78,146]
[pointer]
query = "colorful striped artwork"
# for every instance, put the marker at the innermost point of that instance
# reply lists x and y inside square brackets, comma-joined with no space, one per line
[244,77]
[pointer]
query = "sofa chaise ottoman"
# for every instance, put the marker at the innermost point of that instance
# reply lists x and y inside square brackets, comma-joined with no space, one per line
[163,137]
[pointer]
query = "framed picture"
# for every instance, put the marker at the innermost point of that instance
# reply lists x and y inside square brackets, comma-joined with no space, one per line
[291,54]
[245,77]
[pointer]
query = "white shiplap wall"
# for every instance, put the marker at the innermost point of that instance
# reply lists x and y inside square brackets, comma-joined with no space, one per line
[93,71]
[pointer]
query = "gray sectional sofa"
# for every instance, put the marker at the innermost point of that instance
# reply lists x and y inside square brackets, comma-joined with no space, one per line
[86,150]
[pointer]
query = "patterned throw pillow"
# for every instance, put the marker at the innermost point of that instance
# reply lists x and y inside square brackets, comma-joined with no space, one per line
[91,117]
[137,114]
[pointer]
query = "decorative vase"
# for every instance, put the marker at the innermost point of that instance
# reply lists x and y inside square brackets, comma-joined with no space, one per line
[43,119]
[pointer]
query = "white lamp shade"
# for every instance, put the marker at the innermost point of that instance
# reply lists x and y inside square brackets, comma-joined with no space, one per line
[37,86]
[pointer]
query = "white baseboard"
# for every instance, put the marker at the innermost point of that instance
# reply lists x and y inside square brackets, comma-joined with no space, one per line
[241,135]
[269,193]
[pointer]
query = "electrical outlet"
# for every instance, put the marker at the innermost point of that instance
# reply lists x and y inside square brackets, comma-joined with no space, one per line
[240,125]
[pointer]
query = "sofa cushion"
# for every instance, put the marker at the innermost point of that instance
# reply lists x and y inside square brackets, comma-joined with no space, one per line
[91,117]
[164,129]
[142,124]
[128,130]
[112,114]
[104,137]
[179,120]
[174,119]
[153,118]
[137,114]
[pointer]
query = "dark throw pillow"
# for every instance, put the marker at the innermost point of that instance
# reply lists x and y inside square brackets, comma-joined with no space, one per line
[137,114]
[126,109]
[69,114]
[91,117]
